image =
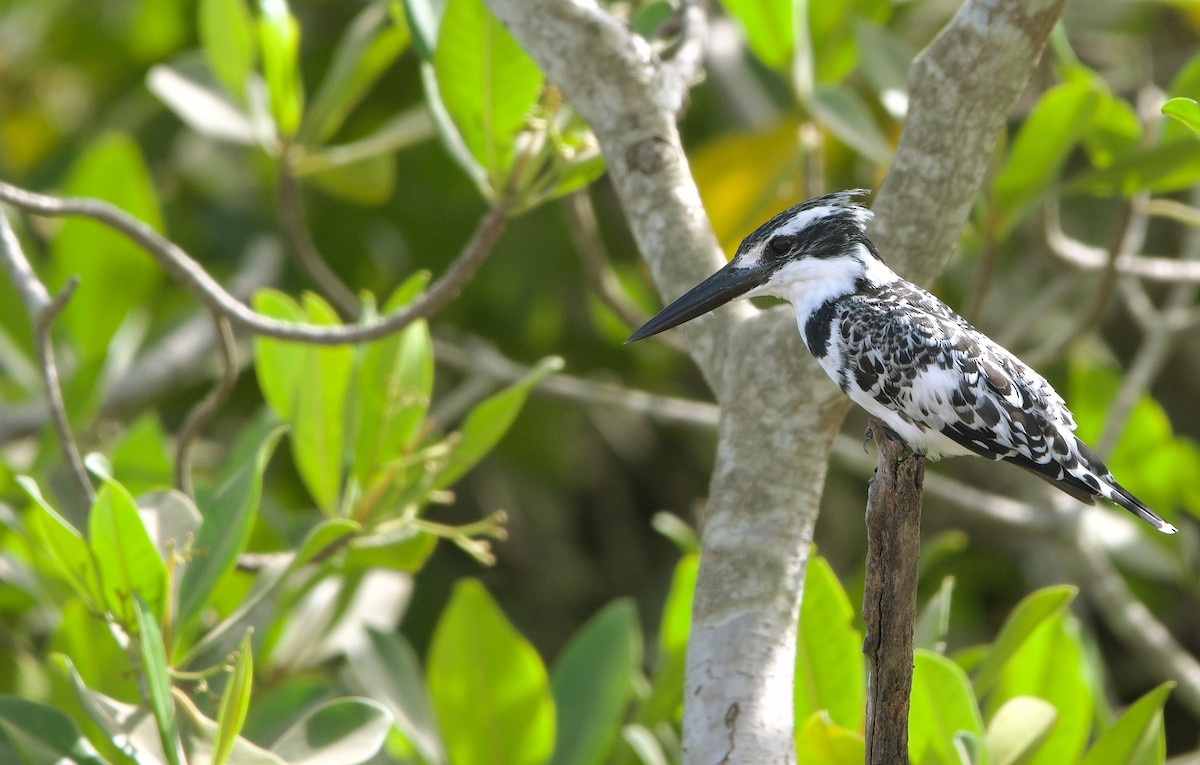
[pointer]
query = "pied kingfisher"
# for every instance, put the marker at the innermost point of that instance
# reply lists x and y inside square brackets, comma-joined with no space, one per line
[900,353]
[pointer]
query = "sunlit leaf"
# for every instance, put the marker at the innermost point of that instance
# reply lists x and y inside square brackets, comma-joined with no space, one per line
[126,556]
[1159,170]
[1018,728]
[829,660]
[319,418]
[115,275]
[1186,110]
[1137,738]
[942,705]
[488,686]
[819,741]
[131,728]
[768,26]
[368,181]
[1050,665]
[277,363]
[227,36]
[395,382]
[279,39]
[158,683]
[487,84]
[593,683]
[1025,618]
[205,111]
[1058,121]
[65,546]
[235,701]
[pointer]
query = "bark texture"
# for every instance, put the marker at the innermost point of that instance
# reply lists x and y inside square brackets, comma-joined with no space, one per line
[890,594]
[779,414]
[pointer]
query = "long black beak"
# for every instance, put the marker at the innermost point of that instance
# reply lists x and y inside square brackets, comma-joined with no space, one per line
[713,292]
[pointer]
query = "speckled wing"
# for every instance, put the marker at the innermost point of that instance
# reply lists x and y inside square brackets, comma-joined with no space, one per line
[911,353]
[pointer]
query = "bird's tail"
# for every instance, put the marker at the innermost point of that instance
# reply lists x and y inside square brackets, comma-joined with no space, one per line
[1120,495]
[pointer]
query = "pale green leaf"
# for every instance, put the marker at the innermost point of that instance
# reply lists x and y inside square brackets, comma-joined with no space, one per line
[488,86]
[769,29]
[126,557]
[227,36]
[235,701]
[819,741]
[829,660]
[32,732]
[345,731]
[158,682]
[942,706]
[844,114]
[279,38]
[1025,618]
[488,685]
[1137,737]
[1018,728]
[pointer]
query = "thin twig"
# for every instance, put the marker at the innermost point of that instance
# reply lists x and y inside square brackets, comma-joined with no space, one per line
[208,406]
[1126,238]
[890,594]
[180,266]
[42,312]
[295,227]
[686,56]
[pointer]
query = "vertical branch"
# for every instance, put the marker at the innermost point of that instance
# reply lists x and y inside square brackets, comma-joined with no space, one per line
[200,415]
[42,312]
[295,226]
[890,594]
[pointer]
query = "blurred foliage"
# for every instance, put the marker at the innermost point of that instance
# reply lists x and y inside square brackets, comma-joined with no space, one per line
[300,606]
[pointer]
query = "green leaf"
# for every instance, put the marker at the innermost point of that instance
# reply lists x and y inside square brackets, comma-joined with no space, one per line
[844,114]
[278,363]
[140,459]
[1019,727]
[279,38]
[1027,616]
[593,683]
[769,29]
[227,36]
[158,682]
[424,17]
[942,705]
[172,520]
[127,725]
[328,532]
[368,47]
[36,733]
[1159,170]
[1186,83]
[1055,126]
[488,686]
[65,547]
[223,535]
[405,549]
[1137,737]
[933,623]
[819,741]
[342,732]
[388,668]
[1050,665]
[115,275]
[235,701]
[487,84]
[829,660]
[395,383]
[319,418]
[203,736]
[368,181]
[102,661]
[490,420]
[126,556]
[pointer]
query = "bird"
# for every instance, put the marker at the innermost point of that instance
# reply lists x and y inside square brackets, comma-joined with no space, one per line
[939,384]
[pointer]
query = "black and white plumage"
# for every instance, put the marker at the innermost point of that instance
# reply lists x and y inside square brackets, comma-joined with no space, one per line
[900,353]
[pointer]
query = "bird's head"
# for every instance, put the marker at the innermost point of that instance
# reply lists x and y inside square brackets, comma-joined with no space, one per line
[811,252]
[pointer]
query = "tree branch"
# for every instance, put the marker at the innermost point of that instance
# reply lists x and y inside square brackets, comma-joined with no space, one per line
[890,594]
[180,266]
[207,408]
[295,227]
[42,312]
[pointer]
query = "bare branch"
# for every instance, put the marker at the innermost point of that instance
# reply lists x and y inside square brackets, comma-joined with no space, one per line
[1091,258]
[42,312]
[890,594]
[295,226]
[180,266]
[207,408]
[687,56]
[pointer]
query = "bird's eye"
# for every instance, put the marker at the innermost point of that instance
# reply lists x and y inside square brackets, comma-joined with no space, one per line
[781,245]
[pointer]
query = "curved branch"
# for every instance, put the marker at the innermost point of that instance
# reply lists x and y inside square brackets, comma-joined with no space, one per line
[295,227]
[180,266]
